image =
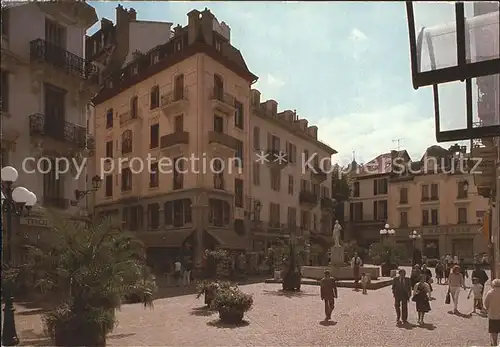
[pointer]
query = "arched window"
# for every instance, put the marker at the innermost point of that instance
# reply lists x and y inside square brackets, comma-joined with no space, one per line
[218,88]
[127,141]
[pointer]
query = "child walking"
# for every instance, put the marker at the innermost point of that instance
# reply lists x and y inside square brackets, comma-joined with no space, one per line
[477,290]
[364,282]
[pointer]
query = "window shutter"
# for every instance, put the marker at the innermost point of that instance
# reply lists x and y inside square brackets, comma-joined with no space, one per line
[269,141]
[375,210]
[375,187]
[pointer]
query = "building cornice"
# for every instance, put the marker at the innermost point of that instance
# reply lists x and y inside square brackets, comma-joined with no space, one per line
[286,125]
[168,62]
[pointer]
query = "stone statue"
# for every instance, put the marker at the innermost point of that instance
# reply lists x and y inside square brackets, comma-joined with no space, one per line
[336,233]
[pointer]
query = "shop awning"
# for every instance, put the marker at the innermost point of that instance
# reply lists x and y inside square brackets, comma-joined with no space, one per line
[229,239]
[172,238]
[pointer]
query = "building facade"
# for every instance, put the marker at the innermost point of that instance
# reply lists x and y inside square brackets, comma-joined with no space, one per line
[289,197]
[436,197]
[46,85]
[185,103]
[367,210]
[444,208]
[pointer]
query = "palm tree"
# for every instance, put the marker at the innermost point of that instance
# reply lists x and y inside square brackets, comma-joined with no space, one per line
[91,268]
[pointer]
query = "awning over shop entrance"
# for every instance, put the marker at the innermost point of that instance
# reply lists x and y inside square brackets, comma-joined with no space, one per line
[173,238]
[228,239]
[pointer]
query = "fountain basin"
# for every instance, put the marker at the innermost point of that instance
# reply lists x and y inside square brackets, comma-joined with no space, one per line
[341,273]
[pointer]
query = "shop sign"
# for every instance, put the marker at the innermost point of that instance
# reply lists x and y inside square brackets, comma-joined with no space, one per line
[458,229]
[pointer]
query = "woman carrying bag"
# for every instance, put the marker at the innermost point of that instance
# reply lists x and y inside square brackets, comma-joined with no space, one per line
[455,282]
[421,298]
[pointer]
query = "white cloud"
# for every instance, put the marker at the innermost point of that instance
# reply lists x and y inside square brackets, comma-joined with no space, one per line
[357,35]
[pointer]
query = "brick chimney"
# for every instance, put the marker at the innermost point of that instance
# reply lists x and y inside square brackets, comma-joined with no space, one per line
[177,30]
[207,25]
[132,15]
[122,16]
[193,26]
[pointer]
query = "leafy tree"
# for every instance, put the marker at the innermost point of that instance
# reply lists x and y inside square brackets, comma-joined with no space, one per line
[341,185]
[91,268]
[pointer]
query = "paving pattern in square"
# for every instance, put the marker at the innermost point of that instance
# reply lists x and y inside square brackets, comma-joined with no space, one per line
[278,319]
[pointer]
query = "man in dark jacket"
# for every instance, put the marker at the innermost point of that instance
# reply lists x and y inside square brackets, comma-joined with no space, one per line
[401,290]
[328,294]
[481,275]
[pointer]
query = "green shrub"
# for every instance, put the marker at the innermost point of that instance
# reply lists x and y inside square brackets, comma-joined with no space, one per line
[232,298]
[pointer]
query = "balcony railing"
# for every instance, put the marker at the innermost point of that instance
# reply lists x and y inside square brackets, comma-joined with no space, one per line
[180,137]
[274,227]
[308,198]
[222,101]
[56,202]
[57,129]
[127,116]
[319,176]
[174,96]
[328,204]
[223,139]
[41,50]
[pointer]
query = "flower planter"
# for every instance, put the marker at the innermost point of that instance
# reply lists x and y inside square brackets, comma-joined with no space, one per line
[231,316]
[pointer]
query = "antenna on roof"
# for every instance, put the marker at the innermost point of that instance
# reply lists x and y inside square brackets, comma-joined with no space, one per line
[398,141]
[353,155]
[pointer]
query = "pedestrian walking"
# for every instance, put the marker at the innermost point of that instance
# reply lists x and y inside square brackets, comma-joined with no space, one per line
[401,290]
[492,304]
[455,283]
[481,275]
[365,279]
[421,293]
[329,293]
[415,275]
[439,272]
[477,290]
[356,264]
[177,272]
[428,278]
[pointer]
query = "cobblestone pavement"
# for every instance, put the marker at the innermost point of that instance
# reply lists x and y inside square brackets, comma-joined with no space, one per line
[289,320]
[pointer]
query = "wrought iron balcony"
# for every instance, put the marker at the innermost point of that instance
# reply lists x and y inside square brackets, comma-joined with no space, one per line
[328,204]
[180,137]
[56,202]
[276,159]
[44,51]
[319,176]
[57,129]
[308,198]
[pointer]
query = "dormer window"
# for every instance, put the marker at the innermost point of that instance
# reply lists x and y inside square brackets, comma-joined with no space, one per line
[135,69]
[155,57]
[217,45]
[110,83]
[95,47]
[178,46]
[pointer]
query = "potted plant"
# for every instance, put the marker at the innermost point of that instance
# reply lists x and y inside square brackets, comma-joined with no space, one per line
[231,303]
[210,288]
[91,268]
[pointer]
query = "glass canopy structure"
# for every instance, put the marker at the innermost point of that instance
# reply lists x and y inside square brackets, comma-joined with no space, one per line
[465,46]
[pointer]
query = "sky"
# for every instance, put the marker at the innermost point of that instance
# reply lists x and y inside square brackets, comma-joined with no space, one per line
[344,66]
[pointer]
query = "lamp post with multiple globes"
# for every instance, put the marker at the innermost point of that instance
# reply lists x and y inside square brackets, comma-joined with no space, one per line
[416,256]
[18,201]
[386,232]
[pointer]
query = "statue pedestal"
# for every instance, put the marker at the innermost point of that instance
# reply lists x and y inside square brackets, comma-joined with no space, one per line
[337,256]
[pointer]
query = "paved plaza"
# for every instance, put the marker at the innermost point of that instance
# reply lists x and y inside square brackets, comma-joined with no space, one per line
[279,319]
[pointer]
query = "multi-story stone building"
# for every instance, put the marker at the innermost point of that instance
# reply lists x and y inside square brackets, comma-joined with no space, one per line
[288,196]
[46,85]
[436,197]
[442,205]
[367,211]
[187,98]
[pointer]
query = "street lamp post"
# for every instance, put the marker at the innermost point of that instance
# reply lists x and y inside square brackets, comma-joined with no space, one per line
[96,185]
[414,236]
[13,201]
[386,232]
